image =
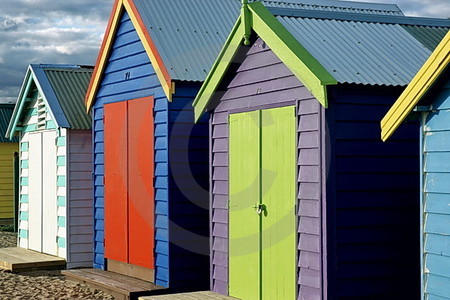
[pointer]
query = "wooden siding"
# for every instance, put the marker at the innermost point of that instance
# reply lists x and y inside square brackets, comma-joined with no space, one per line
[372,199]
[187,229]
[189,186]
[436,197]
[37,118]
[7,179]
[129,75]
[79,206]
[262,81]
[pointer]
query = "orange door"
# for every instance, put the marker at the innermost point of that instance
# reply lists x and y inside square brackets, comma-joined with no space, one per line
[129,196]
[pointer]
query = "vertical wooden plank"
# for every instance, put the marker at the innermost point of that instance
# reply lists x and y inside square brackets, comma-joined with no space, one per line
[244,223]
[278,152]
[116,182]
[49,202]
[35,192]
[140,187]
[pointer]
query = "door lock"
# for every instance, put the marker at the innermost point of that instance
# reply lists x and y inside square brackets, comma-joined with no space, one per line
[259,208]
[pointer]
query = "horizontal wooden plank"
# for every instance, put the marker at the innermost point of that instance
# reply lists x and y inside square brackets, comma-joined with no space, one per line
[437,244]
[437,224]
[438,265]
[438,285]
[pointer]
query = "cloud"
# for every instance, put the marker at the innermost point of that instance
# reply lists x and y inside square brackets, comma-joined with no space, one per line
[49,32]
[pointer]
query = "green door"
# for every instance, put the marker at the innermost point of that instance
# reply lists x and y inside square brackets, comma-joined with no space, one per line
[262,224]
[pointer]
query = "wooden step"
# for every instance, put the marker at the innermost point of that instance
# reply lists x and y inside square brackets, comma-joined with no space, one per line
[189,296]
[118,285]
[24,260]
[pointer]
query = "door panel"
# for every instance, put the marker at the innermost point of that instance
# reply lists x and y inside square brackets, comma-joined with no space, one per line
[49,187]
[244,223]
[116,182]
[278,195]
[140,170]
[35,192]
[129,192]
[262,160]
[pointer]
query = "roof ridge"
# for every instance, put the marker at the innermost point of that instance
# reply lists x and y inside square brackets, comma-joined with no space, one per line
[344,4]
[368,18]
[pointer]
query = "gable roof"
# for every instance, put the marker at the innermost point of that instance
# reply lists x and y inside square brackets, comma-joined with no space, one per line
[323,48]
[6,111]
[62,88]
[183,37]
[424,80]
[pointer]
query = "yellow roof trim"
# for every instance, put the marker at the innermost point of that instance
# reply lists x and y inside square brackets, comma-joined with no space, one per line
[104,54]
[417,88]
[105,51]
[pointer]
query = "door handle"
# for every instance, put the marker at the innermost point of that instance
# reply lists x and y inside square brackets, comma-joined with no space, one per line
[259,208]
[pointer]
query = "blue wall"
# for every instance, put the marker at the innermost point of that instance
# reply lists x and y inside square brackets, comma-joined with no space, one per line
[436,195]
[177,265]
[372,198]
[128,55]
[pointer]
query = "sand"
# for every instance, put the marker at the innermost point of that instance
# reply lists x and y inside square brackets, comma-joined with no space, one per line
[41,284]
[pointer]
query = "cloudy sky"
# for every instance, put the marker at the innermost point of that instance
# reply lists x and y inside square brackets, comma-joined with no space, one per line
[63,32]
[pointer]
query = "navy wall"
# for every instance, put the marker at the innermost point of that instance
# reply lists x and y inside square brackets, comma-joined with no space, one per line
[188,192]
[372,198]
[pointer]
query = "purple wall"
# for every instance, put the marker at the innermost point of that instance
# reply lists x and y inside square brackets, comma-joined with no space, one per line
[263,81]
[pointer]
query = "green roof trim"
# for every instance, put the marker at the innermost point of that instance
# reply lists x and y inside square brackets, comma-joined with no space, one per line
[302,64]
[219,69]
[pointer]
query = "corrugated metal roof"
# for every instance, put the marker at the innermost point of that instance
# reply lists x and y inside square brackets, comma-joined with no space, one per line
[189,34]
[362,52]
[427,35]
[70,86]
[6,111]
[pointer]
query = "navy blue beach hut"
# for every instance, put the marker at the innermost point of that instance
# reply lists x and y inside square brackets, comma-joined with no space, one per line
[295,99]
[150,161]
[427,98]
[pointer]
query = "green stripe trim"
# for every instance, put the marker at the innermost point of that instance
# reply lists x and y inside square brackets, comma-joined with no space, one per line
[219,69]
[24,181]
[31,127]
[61,242]
[62,222]
[61,161]
[61,201]
[24,146]
[24,216]
[50,125]
[23,234]
[61,141]
[23,198]
[61,181]
[33,111]
[24,164]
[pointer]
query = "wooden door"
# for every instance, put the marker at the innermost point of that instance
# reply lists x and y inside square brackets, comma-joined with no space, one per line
[43,219]
[129,194]
[49,192]
[262,204]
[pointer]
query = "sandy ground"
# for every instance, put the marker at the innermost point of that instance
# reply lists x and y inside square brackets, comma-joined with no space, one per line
[42,284]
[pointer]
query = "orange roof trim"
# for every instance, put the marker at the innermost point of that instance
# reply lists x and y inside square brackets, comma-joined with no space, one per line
[108,40]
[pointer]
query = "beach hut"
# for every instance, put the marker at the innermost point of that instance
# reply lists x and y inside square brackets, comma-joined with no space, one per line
[427,98]
[54,131]
[7,149]
[151,180]
[306,201]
